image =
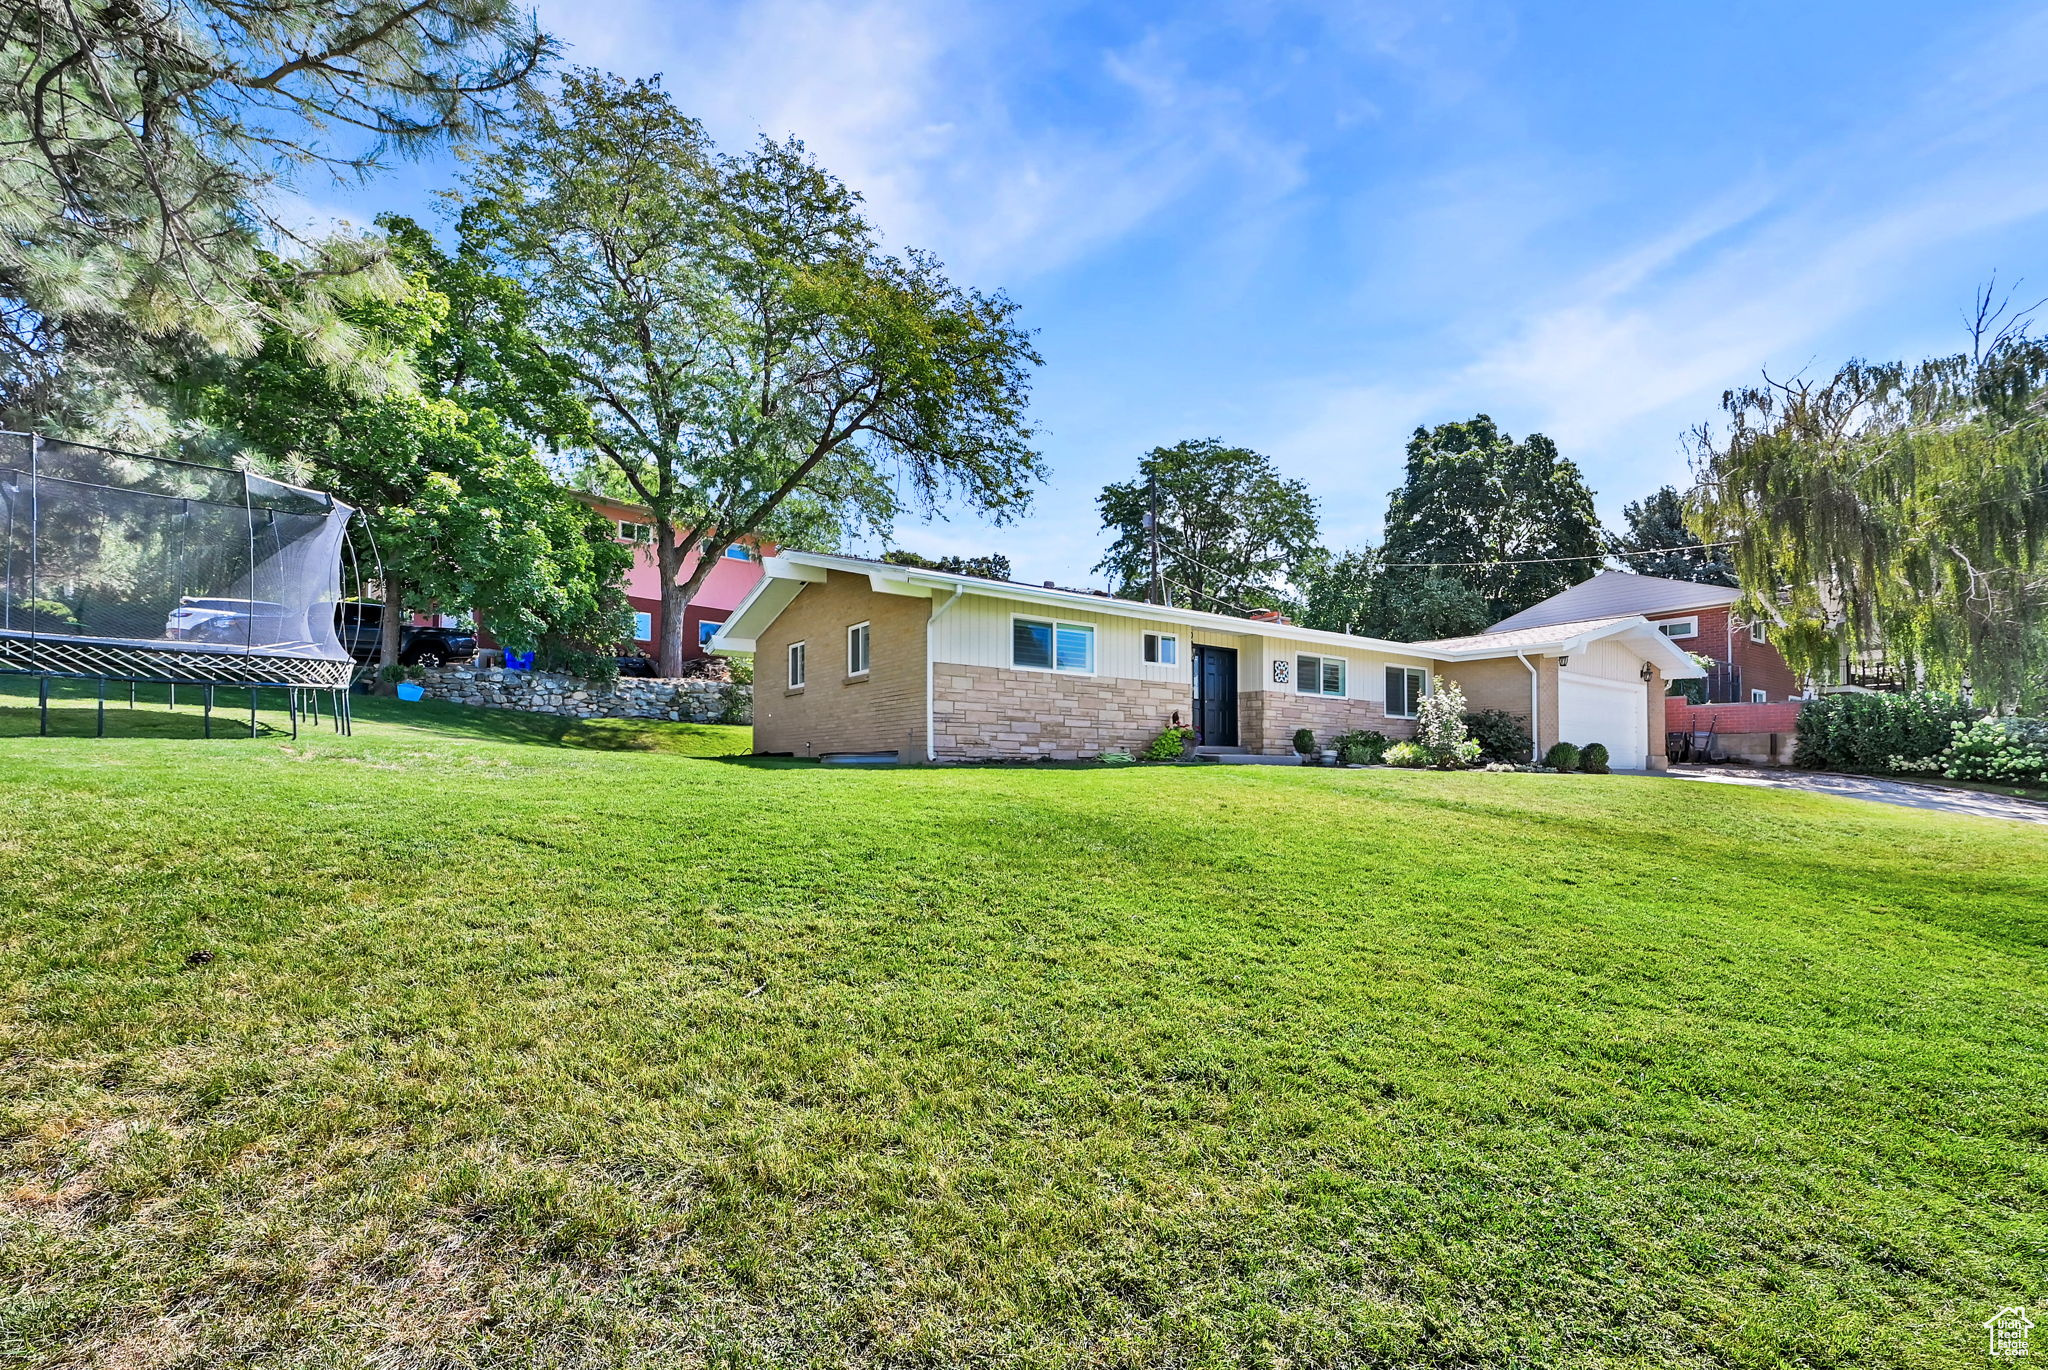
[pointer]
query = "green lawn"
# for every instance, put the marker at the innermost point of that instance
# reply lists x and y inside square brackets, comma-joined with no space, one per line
[523,1043]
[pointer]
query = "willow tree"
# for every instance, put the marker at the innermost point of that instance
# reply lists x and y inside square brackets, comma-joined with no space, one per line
[754,364]
[1895,509]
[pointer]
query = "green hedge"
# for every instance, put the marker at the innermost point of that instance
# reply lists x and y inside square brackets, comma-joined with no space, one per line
[1863,732]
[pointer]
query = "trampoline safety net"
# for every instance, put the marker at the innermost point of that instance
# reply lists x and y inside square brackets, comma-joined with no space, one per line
[114,564]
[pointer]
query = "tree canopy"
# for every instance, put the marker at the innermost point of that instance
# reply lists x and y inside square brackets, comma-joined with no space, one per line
[1233,533]
[753,363]
[1512,520]
[1659,543]
[1352,593]
[143,144]
[1896,509]
[992,567]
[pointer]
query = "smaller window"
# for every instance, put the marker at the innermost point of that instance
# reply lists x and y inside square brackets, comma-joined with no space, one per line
[1406,686]
[643,627]
[634,532]
[1759,697]
[1756,634]
[738,553]
[796,665]
[857,649]
[1680,627]
[706,630]
[1040,645]
[1162,649]
[1319,675]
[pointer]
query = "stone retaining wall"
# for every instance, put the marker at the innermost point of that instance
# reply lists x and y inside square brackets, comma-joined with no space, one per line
[541,692]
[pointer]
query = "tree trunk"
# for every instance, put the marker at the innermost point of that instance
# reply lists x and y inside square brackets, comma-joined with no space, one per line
[392,637]
[668,558]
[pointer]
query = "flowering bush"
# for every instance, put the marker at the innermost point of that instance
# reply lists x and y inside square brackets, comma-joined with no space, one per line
[2013,750]
[1440,726]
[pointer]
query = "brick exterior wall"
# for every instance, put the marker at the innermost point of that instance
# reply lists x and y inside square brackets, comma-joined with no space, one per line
[1680,717]
[1763,666]
[1266,719]
[983,712]
[834,712]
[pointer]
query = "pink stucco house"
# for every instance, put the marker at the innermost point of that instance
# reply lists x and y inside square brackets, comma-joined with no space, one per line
[736,573]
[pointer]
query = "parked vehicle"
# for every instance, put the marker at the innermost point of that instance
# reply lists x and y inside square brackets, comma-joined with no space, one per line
[231,622]
[635,664]
[360,626]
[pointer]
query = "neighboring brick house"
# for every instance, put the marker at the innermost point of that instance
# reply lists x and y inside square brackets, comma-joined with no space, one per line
[737,572]
[866,658]
[1699,618]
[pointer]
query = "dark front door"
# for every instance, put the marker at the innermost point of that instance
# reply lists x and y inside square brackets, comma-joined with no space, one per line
[1216,696]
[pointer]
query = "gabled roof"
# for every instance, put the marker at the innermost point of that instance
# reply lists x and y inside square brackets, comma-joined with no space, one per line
[1563,639]
[1613,593]
[787,574]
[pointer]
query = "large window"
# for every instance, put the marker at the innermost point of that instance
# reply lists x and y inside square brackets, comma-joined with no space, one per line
[1680,627]
[1038,644]
[1406,685]
[796,665]
[857,649]
[1162,649]
[643,627]
[1319,675]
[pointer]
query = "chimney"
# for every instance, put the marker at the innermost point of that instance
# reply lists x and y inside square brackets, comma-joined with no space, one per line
[1050,586]
[1268,616]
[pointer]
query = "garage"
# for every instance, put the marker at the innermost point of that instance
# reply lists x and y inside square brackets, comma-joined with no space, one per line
[1613,713]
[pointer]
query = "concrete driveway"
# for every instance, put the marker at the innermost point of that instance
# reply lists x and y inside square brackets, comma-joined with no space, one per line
[1904,793]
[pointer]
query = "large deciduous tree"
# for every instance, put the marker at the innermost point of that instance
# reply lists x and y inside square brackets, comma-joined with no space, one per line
[461,508]
[1512,520]
[754,364]
[1896,509]
[1658,542]
[141,146]
[1233,533]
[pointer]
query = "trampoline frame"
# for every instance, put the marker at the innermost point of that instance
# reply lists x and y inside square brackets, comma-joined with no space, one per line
[104,660]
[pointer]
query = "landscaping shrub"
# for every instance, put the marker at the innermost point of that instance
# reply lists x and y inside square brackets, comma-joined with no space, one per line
[1360,747]
[1440,726]
[1593,758]
[1865,732]
[1500,735]
[1408,755]
[2011,750]
[1304,741]
[1562,756]
[1170,745]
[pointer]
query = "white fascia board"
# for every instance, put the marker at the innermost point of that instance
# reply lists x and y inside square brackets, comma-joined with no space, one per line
[762,606]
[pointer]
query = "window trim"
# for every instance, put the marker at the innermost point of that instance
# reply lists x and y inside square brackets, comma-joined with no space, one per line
[1691,622]
[794,662]
[1154,649]
[738,551]
[1343,675]
[1055,624]
[1757,696]
[704,638]
[637,533]
[1422,693]
[1757,634]
[638,617]
[867,649]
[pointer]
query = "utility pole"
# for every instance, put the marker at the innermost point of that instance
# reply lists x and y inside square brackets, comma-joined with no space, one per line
[1152,538]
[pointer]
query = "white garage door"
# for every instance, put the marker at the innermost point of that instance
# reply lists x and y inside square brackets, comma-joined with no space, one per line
[1610,712]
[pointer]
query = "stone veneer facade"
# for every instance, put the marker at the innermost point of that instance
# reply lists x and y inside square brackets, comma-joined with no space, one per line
[542,692]
[1267,719]
[982,713]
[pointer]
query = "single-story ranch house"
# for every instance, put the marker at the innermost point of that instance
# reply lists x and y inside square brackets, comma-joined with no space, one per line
[864,658]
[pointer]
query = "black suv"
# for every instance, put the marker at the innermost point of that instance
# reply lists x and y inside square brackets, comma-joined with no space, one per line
[361,629]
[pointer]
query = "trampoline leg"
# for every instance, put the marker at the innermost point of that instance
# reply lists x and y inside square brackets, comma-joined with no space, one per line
[252,711]
[209,707]
[131,694]
[291,705]
[103,711]
[174,699]
[43,707]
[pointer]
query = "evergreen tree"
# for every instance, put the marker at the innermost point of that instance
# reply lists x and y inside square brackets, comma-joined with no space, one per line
[1658,543]
[1513,521]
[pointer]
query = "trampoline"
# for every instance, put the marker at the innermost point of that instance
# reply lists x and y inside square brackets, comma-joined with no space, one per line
[117,567]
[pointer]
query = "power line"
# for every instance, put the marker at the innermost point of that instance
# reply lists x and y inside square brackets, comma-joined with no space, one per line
[1546,561]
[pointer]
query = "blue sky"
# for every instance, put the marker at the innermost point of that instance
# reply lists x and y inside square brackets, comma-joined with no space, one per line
[1309,229]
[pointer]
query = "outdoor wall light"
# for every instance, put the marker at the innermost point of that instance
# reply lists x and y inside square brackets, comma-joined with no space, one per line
[1647,671]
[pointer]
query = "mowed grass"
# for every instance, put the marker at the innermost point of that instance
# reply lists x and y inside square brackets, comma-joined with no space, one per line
[482,1040]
